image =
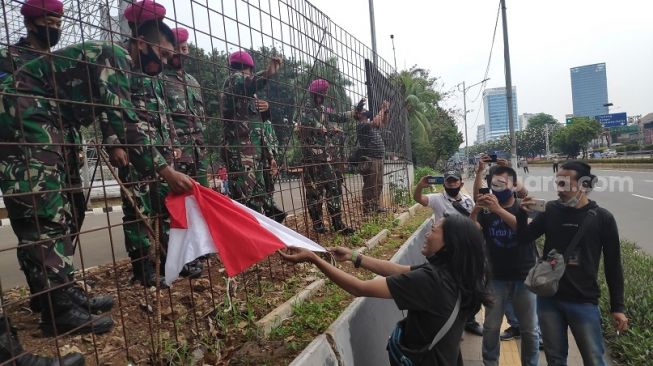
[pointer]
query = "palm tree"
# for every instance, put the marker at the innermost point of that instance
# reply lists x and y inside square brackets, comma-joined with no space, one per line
[419,100]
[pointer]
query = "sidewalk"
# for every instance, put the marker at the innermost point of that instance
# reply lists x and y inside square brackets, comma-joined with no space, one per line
[472,354]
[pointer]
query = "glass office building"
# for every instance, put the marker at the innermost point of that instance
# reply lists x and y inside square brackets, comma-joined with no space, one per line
[496,112]
[589,90]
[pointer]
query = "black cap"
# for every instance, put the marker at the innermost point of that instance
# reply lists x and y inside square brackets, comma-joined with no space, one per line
[452,174]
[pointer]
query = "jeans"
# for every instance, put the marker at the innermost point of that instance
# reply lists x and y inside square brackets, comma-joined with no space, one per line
[510,315]
[524,303]
[584,319]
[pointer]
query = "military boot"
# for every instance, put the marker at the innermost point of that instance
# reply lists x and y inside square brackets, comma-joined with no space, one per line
[60,314]
[10,349]
[143,270]
[96,304]
[275,213]
[339,227]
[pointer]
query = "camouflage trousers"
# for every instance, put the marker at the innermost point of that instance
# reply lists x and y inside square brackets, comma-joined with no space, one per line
[247,182]
[148,194]
[321,181]
[193,160]
[38,192]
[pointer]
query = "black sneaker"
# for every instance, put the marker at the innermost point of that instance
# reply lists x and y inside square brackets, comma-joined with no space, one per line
[143,272]
[75,319]
[510,333]
[474,328]
[10,348]
[345,231]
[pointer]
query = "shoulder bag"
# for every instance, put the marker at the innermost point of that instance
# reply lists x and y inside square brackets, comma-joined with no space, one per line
[544,277]
[403,356]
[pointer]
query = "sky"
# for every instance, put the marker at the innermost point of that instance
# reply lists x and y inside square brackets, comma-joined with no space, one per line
[546,38]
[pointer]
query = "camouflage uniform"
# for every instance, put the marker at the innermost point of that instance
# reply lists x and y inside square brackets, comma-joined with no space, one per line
[266,149]
[11,59]
[320,177]
[148,190]
[184,98]
[239,112]
[33,130]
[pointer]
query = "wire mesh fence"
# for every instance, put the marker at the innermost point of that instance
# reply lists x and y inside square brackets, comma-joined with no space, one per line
[96,131]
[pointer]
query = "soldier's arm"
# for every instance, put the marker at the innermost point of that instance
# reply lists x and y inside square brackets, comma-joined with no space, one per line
[119,124]
[271,144]
[248,85]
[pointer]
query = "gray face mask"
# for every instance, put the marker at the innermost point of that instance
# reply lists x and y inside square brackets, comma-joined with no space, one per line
[572,202]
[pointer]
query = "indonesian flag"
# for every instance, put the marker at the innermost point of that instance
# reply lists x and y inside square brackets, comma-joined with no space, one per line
[204,221]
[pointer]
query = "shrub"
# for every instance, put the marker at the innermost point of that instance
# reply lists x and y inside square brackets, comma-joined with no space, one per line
[422,171]
[635,346]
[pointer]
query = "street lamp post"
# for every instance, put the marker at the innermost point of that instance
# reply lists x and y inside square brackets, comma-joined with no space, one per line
[373,31]
[464,91]
[394,54]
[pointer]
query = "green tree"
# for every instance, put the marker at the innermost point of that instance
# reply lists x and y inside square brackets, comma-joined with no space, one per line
[573,139]
[539,120]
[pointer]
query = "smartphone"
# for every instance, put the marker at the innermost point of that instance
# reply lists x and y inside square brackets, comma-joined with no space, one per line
[493,158]
[484,191]
[538,205]
[434,180]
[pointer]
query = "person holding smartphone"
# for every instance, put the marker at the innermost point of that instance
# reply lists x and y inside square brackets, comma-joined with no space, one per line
[450,202]
[496,214]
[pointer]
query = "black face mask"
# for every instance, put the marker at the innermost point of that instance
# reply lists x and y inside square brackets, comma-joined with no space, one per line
[47,35]
[177,61]
[452,192]
[151,63]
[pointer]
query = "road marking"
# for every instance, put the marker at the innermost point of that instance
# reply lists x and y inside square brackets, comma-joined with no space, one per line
[644,197]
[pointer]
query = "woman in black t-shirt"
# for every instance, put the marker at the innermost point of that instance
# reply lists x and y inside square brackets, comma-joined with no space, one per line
[456,264]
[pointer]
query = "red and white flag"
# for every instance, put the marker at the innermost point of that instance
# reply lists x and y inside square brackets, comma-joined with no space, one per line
[204,221]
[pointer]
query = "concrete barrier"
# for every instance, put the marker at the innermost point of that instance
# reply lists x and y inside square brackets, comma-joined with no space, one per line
[359,335]
[318,352]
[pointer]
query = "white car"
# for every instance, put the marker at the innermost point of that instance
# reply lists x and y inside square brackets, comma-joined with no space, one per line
[609,154]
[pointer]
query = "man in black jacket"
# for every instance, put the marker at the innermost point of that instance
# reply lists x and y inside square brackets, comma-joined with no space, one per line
[575,305]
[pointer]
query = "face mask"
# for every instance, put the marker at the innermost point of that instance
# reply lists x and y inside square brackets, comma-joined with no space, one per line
[151,63]
[503,196]
[452,192]
[177,61]
[47,35]
[572,202]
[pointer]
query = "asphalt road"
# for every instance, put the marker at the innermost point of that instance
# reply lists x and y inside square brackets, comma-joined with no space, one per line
[627,194]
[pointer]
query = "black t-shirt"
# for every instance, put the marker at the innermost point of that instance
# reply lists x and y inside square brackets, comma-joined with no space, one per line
[370,140]
[429,294]
[509,260]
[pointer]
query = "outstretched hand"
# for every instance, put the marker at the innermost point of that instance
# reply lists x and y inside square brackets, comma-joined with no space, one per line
[297,255]
[340,254]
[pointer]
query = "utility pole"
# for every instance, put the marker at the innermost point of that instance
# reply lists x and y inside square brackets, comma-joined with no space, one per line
[373,29]
[464,90]
[546,139]
[394,54]
[506,57]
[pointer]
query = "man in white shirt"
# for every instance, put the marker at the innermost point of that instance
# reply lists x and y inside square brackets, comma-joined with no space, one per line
[450,202]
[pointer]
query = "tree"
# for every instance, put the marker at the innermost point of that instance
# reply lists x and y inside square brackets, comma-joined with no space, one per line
[539,120]
[573,139]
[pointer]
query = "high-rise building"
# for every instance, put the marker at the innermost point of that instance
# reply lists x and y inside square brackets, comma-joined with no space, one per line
[523,120]
[589,90]
[480,134]
[496,112]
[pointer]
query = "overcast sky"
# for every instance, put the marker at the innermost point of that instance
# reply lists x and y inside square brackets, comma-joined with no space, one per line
[453,38]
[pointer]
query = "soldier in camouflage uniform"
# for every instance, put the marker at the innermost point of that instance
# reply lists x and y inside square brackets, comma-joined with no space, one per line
[147,191]
[184,98]
[320,179]
[240,111]
[267,149]
[33,128]
[43,23]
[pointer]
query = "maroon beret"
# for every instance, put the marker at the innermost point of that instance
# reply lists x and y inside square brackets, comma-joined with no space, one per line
[41,8]
[145,10]
[181,34]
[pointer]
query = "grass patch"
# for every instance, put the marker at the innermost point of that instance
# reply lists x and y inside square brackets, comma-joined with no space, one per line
[314,316]
[634,347]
